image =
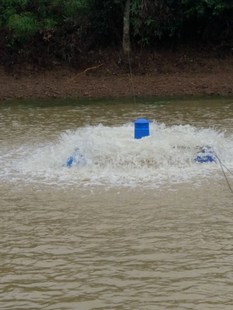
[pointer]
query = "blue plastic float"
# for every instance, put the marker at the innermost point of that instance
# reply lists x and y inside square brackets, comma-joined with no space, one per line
[76,159]
[205,155]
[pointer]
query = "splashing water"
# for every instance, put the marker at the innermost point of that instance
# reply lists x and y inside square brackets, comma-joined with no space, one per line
[114,157]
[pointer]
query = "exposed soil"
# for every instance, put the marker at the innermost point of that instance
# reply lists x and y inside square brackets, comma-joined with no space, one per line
[108,76]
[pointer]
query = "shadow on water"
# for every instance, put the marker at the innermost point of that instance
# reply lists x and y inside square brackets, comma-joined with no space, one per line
[57,102]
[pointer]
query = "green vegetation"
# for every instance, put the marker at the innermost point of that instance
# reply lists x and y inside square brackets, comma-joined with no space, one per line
[41,30]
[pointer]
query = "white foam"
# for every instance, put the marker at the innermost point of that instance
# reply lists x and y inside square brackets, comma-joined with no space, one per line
[114,157]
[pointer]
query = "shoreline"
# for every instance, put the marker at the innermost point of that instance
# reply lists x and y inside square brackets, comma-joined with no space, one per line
[210,78]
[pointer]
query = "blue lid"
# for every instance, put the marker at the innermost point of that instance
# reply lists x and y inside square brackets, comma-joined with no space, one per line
[141,121]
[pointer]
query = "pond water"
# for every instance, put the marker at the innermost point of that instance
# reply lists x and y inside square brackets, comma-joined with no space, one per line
[137,224]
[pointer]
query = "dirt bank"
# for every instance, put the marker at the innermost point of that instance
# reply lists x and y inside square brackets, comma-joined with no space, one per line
[157,76]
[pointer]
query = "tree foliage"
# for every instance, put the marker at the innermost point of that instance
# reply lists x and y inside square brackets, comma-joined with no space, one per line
[62,29]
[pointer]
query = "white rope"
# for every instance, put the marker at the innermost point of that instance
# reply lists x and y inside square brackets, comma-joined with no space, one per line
[223,172]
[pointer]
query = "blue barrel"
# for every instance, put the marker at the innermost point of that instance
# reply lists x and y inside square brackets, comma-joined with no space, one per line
[141,128]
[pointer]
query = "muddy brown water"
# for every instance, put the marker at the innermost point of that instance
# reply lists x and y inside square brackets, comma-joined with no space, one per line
[112,247]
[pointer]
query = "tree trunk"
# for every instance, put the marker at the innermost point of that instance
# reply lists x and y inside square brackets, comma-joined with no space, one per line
[126,29]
